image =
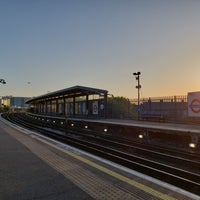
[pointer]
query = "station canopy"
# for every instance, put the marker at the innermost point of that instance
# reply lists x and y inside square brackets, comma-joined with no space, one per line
[69,92]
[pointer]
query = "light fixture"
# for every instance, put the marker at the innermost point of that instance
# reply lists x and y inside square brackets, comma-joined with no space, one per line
[140,136]
[105,130]
[192,145]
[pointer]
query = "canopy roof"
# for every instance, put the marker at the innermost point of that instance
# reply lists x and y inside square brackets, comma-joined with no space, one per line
[71,91]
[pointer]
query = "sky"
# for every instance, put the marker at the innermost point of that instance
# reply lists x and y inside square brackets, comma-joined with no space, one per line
[48,45]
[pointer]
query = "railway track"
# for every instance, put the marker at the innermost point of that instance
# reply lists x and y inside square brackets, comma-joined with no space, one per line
[158,164]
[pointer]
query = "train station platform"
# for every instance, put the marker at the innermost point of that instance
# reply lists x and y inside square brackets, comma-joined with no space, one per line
[35,167]
[188,128]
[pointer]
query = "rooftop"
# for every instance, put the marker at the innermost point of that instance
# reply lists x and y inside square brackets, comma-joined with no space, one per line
[71,91]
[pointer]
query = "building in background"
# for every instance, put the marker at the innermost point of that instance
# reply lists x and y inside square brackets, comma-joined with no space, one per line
[14,103]
[80,101]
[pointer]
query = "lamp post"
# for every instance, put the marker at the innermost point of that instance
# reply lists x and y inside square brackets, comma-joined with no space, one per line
[3,82]
[137,76]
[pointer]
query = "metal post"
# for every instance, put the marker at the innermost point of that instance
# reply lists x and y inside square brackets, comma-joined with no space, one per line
[137,76]
[3,82]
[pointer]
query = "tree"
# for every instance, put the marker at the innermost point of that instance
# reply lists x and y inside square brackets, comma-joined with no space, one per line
[5,108]
[119,107]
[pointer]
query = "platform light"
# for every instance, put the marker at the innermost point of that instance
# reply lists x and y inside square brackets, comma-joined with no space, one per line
[72,124]
[105,130]
[86,126]
[140,136]
[47,120]
[192,145]
[61,122]
[54,122]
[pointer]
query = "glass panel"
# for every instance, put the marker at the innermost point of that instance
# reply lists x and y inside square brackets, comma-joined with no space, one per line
[69,109]
[48,107]
[60,100]
[80,108]
[60,108]
[69,100]
[80,98]
[92,97]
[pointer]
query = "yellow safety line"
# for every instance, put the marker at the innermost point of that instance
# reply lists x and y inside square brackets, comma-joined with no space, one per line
[110,172]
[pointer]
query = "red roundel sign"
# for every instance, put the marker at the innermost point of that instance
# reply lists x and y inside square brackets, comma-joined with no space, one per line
[195,105]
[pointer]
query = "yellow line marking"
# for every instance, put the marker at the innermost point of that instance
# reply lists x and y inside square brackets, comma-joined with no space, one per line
[110,172]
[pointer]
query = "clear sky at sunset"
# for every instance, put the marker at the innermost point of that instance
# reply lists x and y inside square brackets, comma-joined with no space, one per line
[47,45]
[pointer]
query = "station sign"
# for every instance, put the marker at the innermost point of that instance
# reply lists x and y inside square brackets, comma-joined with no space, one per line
[194,104]
[95,108]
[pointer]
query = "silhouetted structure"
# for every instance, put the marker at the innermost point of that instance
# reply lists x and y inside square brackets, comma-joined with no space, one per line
[166,108]
[77,101]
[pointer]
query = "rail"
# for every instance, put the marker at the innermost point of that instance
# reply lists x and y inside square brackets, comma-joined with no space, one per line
[185,179]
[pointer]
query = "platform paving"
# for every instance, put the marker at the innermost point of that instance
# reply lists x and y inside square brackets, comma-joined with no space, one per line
[25,176]
[34,168]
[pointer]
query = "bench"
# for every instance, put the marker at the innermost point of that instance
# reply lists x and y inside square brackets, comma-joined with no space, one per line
[153,116]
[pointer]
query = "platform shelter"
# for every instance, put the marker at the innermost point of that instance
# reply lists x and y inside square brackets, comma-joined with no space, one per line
[77,101]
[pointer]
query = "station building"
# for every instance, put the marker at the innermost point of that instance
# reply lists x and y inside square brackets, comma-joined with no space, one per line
[87,102]
[76,101]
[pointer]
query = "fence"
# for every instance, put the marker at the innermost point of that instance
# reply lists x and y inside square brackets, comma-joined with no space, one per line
[170,108]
